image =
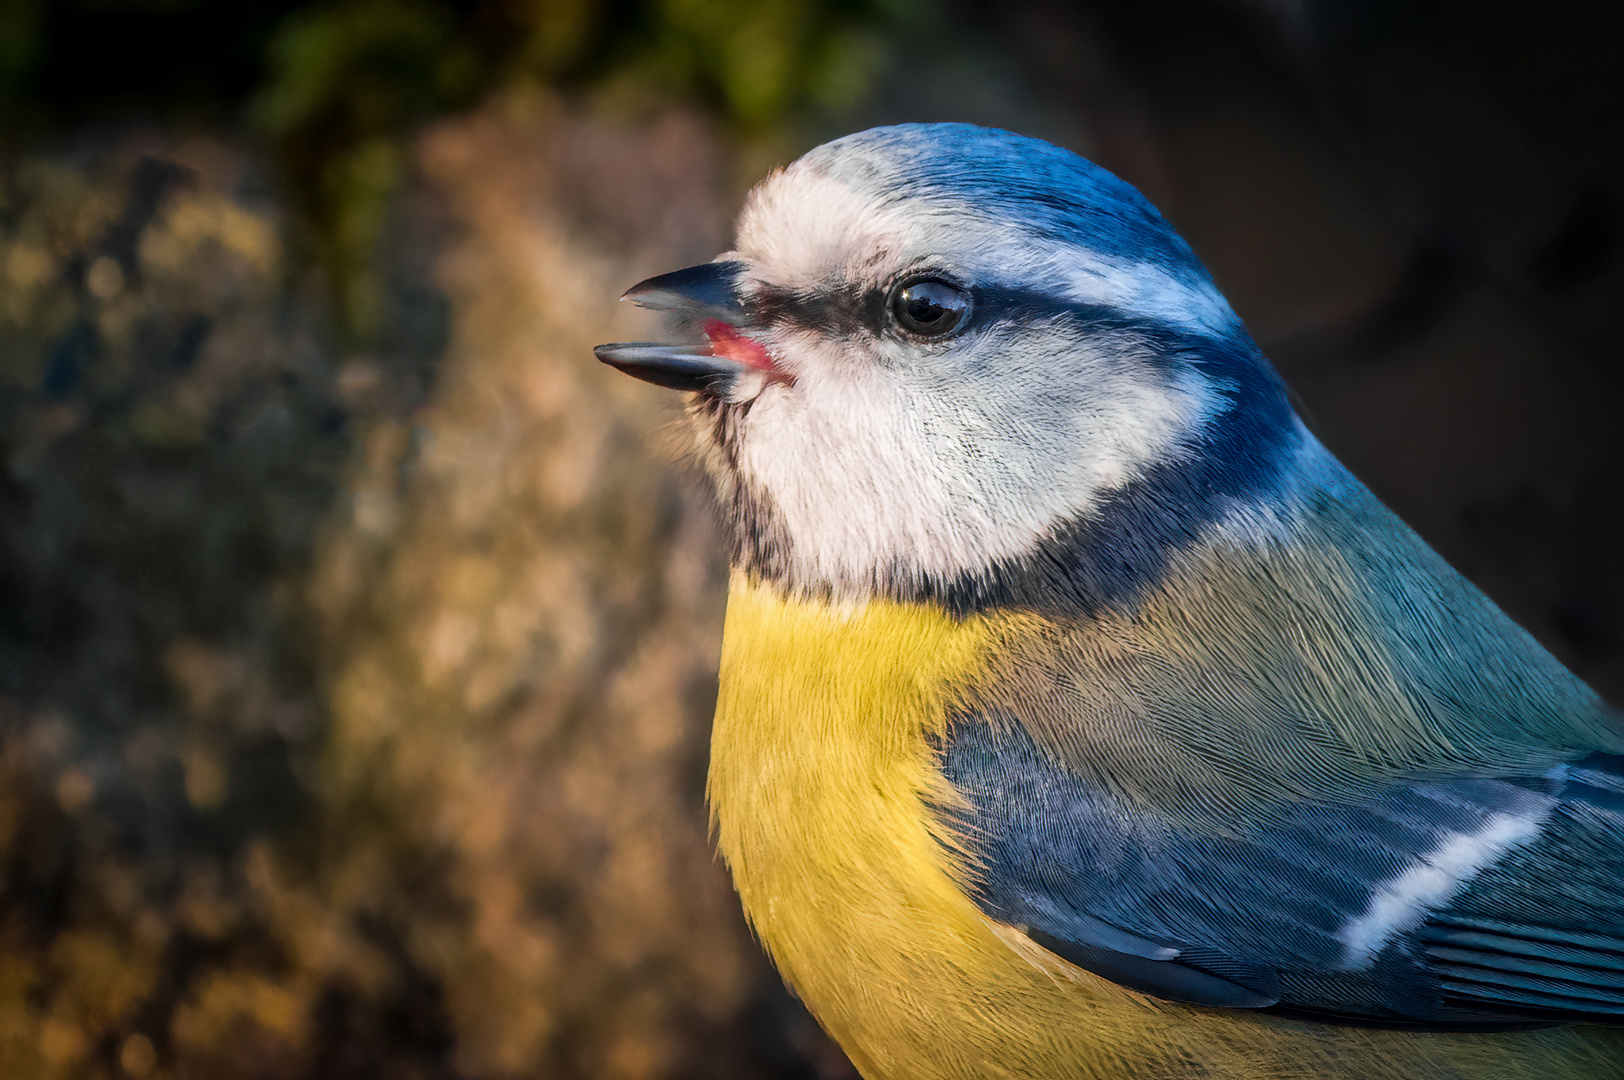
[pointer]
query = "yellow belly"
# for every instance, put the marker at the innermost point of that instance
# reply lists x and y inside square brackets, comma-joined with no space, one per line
[821,772]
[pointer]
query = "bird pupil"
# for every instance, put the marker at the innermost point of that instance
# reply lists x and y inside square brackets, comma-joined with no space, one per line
[923,309]
[930,307]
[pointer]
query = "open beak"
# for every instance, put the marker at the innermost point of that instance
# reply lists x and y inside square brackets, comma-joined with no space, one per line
[706,296]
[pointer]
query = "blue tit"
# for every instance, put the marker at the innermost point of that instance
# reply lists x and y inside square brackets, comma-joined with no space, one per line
[1080,715]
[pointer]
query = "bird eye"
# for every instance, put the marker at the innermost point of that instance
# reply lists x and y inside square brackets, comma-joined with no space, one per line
[930,307]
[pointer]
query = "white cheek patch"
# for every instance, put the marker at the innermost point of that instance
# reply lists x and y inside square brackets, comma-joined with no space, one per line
[1131,420]
[1401,903]
[875,473]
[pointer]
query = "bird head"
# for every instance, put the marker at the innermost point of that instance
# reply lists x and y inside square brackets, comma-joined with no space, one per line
[939,353]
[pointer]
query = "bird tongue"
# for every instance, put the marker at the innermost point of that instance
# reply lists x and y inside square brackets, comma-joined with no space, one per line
[728,343]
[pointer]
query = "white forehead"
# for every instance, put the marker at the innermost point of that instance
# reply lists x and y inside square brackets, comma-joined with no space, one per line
[804,229]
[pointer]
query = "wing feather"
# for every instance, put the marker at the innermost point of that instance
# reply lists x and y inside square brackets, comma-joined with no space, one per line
[1391,909]
[1325,772]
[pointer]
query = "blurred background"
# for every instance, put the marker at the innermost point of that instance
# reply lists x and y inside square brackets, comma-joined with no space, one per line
[358,630]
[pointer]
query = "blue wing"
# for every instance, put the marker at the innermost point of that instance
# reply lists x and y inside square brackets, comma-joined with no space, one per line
[1432,902]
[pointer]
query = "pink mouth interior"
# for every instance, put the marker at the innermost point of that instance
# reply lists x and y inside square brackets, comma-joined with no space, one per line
[729,344]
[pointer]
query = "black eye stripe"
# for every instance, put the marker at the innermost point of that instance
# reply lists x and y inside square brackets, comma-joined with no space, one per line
[839,312]
[849,309]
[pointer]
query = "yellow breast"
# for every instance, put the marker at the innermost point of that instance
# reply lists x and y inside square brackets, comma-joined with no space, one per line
[821,779]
